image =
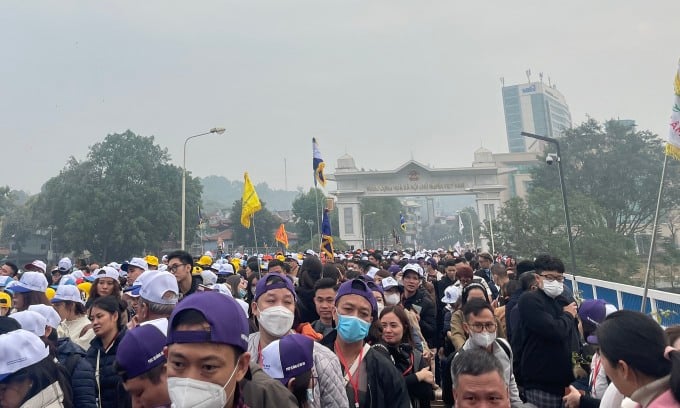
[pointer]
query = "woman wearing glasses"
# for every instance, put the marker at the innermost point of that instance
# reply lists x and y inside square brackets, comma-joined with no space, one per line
[396,338]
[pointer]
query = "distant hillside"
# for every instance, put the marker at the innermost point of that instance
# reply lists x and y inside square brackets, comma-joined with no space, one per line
[219,192]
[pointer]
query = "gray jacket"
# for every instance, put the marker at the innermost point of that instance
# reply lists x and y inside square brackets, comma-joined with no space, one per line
[330,392]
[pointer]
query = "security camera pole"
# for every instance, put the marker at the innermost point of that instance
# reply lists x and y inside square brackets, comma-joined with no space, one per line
[564,192]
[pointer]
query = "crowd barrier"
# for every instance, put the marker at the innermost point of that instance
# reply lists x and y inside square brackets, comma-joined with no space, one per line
[663,306]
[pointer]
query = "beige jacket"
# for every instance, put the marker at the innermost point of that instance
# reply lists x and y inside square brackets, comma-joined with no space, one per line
[50,397]
[73,329]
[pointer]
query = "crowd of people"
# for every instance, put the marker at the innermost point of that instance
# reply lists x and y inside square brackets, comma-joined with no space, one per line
[365,329]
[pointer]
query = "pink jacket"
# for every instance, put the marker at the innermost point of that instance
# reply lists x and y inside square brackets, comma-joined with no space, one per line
[664,400]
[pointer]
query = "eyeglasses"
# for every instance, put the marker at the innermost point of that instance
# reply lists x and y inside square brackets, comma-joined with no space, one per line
[551,278]
[478,327]
[173,269]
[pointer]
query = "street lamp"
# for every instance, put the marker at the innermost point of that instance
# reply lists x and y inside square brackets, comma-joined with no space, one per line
[550,159]
[472,227]
[219,131]
[311,234]
[363,227]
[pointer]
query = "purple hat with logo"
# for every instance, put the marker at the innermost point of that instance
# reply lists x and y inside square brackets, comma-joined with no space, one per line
[141,350]
[228,323]
[357,287]
[288,357]
[270,281]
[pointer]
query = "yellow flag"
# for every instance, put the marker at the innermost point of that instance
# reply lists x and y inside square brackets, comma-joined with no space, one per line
[250,203]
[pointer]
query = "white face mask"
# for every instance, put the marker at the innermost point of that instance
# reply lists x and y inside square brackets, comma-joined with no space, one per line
[380,308]
[276,320]
[392,299]
[483,339]
[190,393]
[553,289]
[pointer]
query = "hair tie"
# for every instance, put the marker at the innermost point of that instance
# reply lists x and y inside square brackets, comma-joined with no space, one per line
[667,352]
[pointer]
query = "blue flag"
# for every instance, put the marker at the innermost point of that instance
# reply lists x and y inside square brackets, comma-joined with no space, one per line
[402,222]
[326,236]
[318,164]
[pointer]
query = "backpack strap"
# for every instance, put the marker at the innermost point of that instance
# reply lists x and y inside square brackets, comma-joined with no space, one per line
[505,346]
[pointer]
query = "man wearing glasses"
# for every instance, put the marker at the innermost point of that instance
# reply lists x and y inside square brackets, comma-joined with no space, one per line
[480,326]
[548,326]
[180,264]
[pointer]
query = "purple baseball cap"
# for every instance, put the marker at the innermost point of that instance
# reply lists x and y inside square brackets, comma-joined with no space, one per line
[288,357]
[141,350]
[374,286]
[357,287]
[269,282]
[228,323]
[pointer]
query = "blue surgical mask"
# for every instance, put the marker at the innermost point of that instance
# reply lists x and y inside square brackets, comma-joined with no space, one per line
[352,329]
[242,293]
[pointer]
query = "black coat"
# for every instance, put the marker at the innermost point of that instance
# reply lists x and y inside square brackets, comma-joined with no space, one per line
[547,332]
[486,275]
[408,359]
[83,384]
[386,386]
[428,325]
[112,393]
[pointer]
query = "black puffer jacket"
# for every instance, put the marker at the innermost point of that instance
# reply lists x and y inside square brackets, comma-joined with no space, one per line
[84,387]
[424,306]
[112,393]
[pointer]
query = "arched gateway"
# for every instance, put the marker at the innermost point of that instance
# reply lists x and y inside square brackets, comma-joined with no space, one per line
[490,178]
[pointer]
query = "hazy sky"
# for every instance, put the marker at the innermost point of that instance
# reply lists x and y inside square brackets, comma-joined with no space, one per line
[380,80]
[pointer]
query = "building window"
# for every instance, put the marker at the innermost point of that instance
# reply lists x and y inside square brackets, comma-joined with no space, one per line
[349,220]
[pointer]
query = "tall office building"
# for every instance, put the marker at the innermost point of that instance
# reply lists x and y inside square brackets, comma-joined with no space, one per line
[535,108]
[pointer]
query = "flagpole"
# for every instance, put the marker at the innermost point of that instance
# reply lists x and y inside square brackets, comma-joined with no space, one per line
[318,218]
[255,236]
[653,243]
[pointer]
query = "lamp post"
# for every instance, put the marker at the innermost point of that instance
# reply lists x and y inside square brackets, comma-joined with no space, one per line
[311,234]
[560,172]
[472,227]
[363,227]
[219,131]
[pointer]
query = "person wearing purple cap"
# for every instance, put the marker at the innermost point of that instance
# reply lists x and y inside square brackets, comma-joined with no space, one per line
[290,360]
[141,364]
[208,360]
[370,378]
[274,306]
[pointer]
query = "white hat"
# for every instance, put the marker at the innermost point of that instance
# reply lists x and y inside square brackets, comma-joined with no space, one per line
[158,285]
[209,278]
[48,312]
[136,287]
[225,269]
[222,288]
[372,271]
[32,321]
[77,274]
[65,265]
[389,283]
[413,267]
[37,264]
[238,255]
[31,282]
[20,349]
[67,280]
[106,272]
[451,294]
[114,265]
[162,267]
[67,293]
[138,262]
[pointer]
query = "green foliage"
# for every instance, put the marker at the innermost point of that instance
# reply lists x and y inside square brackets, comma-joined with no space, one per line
[265,226]
[125,198]
[618,168]
[384,221]
[18,226]
[338,244]
[306,217]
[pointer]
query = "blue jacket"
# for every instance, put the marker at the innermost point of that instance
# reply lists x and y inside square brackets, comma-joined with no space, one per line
[113,394]
[83,385]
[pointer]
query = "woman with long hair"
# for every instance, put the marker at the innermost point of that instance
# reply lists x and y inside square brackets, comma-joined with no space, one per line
[30,290]
[637,358]
[397,338]
[106,283]
[75,325]
[31,377]
[109,329]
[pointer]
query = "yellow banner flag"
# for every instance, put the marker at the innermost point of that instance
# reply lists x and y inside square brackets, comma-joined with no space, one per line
[250,203]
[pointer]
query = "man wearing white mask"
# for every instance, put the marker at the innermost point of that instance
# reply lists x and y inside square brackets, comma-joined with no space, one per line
[274,307]
[548,327]
[480,325]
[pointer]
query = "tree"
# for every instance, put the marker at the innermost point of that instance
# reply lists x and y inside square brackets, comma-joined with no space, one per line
[306,216]
[380,226]
[125,198]
[265,223]
[618,168]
